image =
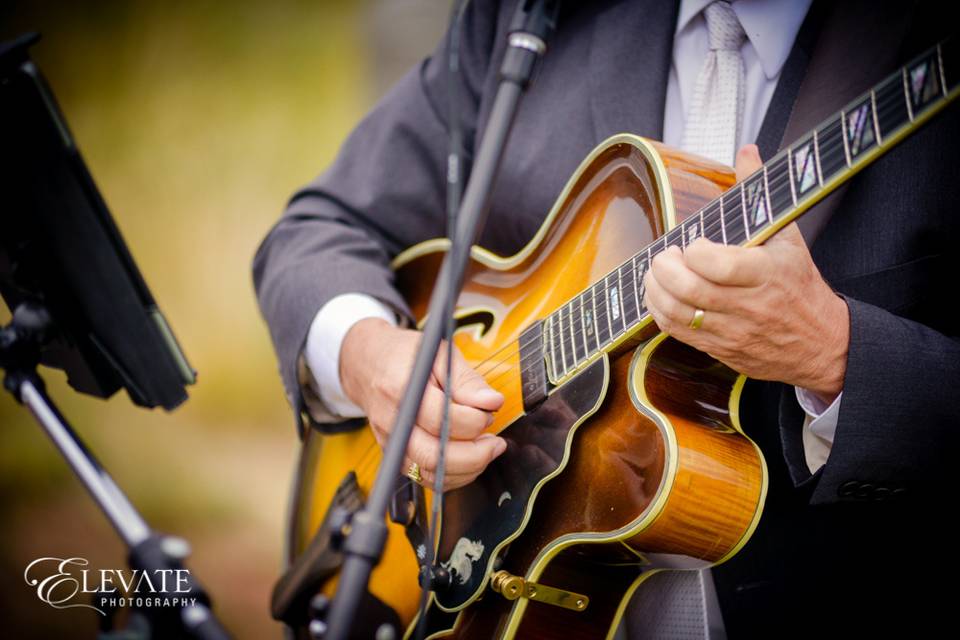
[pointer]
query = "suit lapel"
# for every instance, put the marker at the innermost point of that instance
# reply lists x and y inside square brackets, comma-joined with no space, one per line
[771,134]
[857,46]
[632,100]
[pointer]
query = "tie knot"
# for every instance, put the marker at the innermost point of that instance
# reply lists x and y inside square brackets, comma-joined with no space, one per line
[724,29]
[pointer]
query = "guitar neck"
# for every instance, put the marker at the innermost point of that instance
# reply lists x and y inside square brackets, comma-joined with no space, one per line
[603,316]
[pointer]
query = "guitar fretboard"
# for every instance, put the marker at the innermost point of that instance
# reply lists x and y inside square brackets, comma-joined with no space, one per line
[604,315]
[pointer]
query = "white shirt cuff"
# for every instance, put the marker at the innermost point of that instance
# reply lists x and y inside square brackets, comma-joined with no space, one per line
[819,427]
[322,349]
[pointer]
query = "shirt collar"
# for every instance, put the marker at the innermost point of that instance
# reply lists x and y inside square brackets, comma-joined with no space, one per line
[771,26]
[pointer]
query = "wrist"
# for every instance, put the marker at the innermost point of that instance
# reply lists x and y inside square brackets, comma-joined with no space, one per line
[833,367]
[355,356]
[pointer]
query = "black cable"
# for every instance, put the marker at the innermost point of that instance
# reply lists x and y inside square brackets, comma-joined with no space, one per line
[454,191]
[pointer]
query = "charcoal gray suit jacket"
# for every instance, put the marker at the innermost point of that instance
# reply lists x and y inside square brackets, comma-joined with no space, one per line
[853,540]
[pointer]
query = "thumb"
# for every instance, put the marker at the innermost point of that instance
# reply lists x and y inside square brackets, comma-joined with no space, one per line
[748,161]
[469,387]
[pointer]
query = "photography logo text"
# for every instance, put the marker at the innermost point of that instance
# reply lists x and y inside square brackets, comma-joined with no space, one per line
[65,583]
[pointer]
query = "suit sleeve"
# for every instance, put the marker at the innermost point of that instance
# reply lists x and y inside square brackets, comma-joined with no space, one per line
[899,414]
[384,193]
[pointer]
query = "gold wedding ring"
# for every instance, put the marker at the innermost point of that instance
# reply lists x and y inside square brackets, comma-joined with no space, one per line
[697,321]
[413,472]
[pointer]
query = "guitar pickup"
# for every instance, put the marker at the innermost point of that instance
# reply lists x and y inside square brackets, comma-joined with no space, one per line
[512,587]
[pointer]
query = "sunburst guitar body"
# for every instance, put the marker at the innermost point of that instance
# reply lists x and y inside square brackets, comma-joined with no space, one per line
[625,455]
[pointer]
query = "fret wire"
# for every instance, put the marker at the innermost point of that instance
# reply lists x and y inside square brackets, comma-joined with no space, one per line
[575,339]
[553,359]
[601,324]
[623,315]
[876,120]
[625,293]
[636,286]
[548,357]
[738,199]
[943,76]
[845,134]
[906,92]
[778,187]
[583,325]
[716,222]
[793,189]
[563,354]
[596,334]
[557,349]
[766,195]
[611,312]
[703,233]
[578,336]
[606,304]
[743,211]
[647,270]
[723,229]
[545,340]
[816,158]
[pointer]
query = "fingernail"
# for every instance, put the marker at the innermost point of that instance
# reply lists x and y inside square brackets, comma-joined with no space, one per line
[500,447]
[489,419]
[489,396]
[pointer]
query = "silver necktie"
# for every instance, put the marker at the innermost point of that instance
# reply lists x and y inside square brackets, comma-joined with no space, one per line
[716,109]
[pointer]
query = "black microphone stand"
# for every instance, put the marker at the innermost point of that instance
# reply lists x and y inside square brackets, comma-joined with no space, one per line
[366,533]
[21,343]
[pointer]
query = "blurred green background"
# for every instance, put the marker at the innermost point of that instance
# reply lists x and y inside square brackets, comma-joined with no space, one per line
[198,120]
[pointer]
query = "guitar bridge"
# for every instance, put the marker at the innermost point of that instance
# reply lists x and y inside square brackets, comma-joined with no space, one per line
[512,587]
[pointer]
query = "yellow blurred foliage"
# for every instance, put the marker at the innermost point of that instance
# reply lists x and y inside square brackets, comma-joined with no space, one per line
[198,120]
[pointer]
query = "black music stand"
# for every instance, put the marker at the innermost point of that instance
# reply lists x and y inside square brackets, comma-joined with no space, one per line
[80,304]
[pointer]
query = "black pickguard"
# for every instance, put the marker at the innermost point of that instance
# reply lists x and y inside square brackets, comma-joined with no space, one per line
[492,508]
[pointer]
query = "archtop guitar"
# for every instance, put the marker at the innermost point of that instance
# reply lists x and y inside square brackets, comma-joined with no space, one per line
[625,454]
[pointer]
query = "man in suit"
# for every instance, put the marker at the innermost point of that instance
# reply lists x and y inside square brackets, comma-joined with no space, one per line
[856,328]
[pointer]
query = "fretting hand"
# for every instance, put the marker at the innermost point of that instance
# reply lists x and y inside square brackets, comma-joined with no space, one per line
[768,313]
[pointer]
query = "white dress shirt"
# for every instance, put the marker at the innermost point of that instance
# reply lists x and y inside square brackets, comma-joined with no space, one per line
[771,27]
